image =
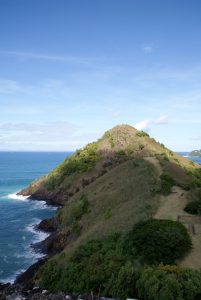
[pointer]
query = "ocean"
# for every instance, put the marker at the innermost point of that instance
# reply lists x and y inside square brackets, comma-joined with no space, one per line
[195,159]
[18,215]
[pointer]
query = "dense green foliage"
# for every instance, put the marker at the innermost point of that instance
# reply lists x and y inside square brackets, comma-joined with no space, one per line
[82,161]
[110,138]
[167,183]
[90,267]
[109,265]
[123,284]
[169,283]
[163,282]
[158,241]
[141,134]
[193,207]
[79,208]
[197,175]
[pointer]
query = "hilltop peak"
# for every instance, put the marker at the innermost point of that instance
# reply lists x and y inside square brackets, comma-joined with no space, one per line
[123,128]
[121,137]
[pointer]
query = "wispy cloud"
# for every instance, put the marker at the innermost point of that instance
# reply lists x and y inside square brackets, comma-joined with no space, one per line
[54,131]
[54,58]
[147,48]
[196,138]
[146,124]
[9,86]
[55,136]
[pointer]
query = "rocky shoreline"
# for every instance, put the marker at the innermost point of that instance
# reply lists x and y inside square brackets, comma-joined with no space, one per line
[17,292]
[24,286]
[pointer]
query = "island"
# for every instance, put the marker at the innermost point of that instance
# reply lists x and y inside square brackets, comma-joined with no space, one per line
[195,153]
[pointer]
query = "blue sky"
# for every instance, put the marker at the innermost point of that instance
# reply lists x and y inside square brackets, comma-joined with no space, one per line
[71,69]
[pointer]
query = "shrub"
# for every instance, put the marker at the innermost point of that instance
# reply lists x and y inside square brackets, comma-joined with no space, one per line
[80,208]
[75,228]
[141,134]
[92,266]
[193,207]
[50,275]
[109,136]
[104,267]
[169,283]
[191,283]
[123,285]
[121,153]
[136,163]
[107,214]
[83,160]
[155,283]
[167,183]
[158,241]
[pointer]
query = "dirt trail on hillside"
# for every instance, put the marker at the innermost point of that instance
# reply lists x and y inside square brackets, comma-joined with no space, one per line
[171,207]
[193,259]
[154,161]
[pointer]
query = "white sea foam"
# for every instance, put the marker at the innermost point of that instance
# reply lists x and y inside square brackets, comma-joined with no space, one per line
[14,196]
[12,278]
[36,204]
[38,234]
[29,252]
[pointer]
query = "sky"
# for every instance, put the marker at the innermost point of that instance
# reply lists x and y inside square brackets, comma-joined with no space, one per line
[72,69]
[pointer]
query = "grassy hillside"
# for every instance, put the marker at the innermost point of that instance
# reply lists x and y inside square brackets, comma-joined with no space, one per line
[121,143]
[109,186]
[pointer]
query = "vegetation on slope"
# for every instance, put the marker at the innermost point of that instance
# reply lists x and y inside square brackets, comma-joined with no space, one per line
[80,162]
[194,207]
[101,264]
[169,283]
[158,241]
[108,187]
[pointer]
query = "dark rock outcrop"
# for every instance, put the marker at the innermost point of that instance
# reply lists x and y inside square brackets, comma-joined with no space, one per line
[53,244]
[26,279]
[48,225]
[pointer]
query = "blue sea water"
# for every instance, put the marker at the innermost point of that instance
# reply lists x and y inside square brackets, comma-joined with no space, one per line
[18,215]
[195,159]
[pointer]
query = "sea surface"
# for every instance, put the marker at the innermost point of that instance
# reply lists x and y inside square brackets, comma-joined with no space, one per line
[195,159]
[18,215]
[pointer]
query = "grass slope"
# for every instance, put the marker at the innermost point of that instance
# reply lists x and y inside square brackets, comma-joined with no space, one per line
[110,185]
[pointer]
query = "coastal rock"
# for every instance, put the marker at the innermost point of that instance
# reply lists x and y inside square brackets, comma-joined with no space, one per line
[55,243]
[26,279]
[48,225]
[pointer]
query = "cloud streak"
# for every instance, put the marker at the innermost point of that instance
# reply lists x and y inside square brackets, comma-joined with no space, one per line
[146,124]
[9,86]
[55,136]
[147,49]
[54,131]
[49,57]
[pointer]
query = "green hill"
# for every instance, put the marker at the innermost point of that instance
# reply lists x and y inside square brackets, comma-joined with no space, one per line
[106,188]
[120,144]
[195,153]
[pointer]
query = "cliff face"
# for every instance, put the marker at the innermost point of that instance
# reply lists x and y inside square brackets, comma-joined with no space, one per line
[110,185]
